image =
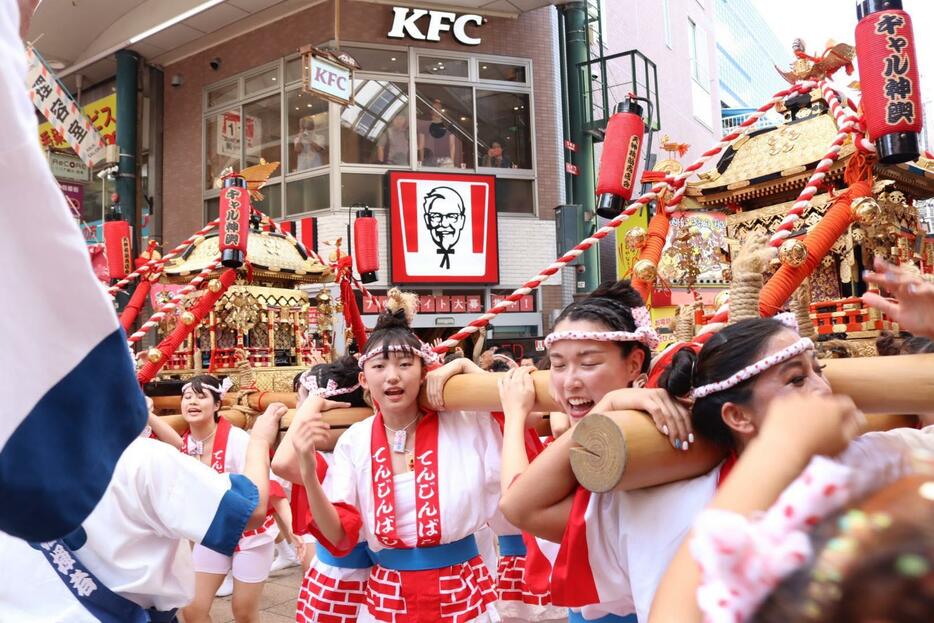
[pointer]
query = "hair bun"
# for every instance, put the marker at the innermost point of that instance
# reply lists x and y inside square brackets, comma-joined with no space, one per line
[621,291]
[678,379]
[888,344]
[392,320]
[407,302]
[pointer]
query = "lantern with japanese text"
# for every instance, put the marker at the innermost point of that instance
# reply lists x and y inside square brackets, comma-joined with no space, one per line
[235,221]
[888,76]
[366,245]
[118,243]
[620,159]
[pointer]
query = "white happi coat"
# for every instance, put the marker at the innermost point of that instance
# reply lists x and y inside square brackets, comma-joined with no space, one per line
[635,534]
[469,446]
[137,537]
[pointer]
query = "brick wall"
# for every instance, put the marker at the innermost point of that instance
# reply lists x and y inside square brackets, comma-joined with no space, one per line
[531,35]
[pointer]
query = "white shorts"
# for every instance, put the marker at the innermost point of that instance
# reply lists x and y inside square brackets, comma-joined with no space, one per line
[249,565]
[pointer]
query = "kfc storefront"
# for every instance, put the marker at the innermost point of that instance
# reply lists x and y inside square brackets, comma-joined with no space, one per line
[452,138]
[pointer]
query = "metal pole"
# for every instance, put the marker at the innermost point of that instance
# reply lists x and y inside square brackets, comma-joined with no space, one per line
[578,55]
[127,112]
[156,111]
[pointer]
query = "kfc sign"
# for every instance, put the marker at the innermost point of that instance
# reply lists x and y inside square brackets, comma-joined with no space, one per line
[443,228]
[326,75]
[408,23]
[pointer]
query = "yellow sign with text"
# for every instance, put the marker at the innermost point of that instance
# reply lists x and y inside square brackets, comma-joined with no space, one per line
[664,318]
[103,116]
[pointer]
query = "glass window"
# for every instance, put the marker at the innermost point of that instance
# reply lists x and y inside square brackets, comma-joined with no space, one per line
[261,82]
[364,189]
[212,208]
[271,203]
[308,131]
[514,196]
[444,127]
[293,70]
[262,130]
[223,95]
[377,60]
[222,145]
[313,193]
[500,71]
[375,129]
[503,133]
[436,66]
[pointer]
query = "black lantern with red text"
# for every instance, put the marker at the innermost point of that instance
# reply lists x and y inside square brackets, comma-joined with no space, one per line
[621,149]
[235,221]
[366,245]
[888,77]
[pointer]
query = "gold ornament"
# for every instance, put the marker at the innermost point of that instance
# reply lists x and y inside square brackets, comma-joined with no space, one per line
[793,253]
[866,210]
[154,355]
[214,285]
[722,297]
[645,270]
[636,238]
[187,318]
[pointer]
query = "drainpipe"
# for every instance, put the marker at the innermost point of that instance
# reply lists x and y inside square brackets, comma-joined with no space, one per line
[127,114]
[577,53]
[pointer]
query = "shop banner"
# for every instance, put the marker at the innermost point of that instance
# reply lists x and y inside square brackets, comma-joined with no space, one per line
[330,80]
[443,228]
[101,113]
[54,102]
[74,194]
[228,135]
[66,167]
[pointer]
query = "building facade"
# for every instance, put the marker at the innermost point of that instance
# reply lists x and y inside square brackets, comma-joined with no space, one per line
[439,107]
[747,53]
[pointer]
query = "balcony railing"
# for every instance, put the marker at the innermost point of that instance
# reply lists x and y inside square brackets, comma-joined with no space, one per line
[732,118]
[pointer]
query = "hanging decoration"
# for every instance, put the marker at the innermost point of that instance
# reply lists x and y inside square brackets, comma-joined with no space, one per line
[235,226]
[620,159]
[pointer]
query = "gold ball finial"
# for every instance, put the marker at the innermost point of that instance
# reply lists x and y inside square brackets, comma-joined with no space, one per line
[636,238]
[645,270]
[154,355]
[214,285]
[793,253]
[866,210]
[187,318]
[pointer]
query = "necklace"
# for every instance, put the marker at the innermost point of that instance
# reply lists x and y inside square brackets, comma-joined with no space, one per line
[199,444]
[400,435]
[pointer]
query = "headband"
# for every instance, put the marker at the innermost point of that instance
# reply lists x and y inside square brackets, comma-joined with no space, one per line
[309,381]
[427,355]
[743,559]
[226,384]
[760,366]
[508,360]
[644,333]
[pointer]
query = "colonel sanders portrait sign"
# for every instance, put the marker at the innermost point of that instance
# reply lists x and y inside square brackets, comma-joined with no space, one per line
[443,228]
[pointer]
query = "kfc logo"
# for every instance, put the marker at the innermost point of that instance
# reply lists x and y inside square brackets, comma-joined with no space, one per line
[405,24]
[443,228]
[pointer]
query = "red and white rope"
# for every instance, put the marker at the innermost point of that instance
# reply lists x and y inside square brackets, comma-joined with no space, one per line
[677,182]
[366,294]
[173,302]
[846,125]
[145,268]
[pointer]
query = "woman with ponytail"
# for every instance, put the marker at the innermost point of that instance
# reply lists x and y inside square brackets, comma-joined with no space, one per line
[415,483]
[601,346]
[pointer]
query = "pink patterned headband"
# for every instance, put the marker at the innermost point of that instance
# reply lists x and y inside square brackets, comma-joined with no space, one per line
[427,355]
[743,559]
[226,384]
[310,382]
[754,369]
[644,333]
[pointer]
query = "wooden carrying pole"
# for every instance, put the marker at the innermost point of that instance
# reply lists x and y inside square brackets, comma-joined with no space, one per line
[624,451]
[901,384]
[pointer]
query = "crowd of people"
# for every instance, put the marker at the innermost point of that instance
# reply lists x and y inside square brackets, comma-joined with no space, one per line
[426,513]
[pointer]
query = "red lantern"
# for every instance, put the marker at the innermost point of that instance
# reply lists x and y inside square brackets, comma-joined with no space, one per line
[621,148]
[366,245]
[235,221]
[119,248]
[888,76]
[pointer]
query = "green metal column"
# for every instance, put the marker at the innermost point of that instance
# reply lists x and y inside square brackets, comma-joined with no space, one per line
[576,51]
[127,120]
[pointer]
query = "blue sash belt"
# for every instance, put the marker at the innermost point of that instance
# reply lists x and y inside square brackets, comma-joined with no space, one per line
[360,557]
[511,545]
[423,558]
[577,617]
[104,604]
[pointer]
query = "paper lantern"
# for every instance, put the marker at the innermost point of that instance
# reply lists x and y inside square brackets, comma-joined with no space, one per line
[118,246]
[366,245]
[888,77]
[621,148]
[235,221]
